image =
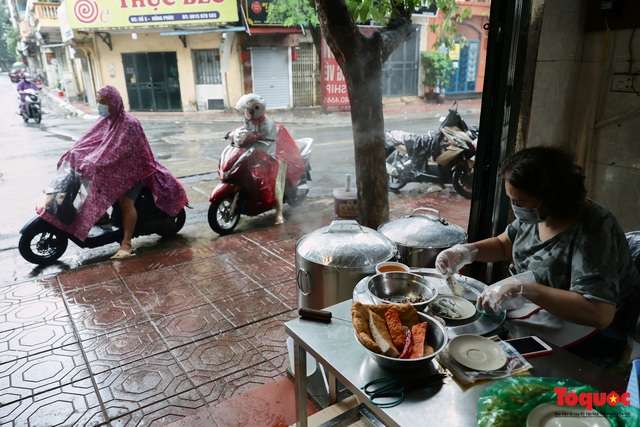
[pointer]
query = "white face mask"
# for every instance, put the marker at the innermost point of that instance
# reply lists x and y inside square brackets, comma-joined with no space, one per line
[103,110]
[527,216]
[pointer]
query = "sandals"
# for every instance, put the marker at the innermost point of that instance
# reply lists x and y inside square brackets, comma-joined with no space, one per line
[122,254]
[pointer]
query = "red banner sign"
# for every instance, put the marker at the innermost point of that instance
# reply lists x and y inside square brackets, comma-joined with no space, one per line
[334,87]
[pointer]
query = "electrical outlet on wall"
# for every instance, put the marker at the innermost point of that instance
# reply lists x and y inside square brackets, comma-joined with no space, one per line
[625,82]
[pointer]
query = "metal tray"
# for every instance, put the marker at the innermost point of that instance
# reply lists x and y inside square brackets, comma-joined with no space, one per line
[479,324]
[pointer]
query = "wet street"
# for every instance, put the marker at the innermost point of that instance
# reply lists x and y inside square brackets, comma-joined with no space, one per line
[189,145]
[193,325]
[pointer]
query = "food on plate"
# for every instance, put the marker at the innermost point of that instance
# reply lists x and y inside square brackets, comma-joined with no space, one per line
[380,334]
[446,307]
[373,330]
[395,327]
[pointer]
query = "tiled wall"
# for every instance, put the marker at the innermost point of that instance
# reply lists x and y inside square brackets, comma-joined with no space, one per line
[573,107]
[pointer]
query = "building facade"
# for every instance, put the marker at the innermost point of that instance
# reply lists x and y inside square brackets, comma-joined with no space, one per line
[204,54]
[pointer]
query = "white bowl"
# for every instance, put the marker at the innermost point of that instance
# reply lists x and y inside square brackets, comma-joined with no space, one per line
[391,266]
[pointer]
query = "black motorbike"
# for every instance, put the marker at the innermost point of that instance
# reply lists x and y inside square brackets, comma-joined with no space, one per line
[32,108]
[42,243]
[446,156]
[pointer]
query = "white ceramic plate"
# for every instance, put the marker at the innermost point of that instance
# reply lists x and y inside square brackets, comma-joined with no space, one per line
[464,308]
[476,352]
[573,416]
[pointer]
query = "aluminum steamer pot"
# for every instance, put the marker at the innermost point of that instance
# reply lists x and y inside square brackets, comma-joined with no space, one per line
[332,260]
[421,237]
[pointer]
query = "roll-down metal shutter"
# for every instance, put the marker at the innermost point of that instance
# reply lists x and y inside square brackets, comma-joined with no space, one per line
[271,72]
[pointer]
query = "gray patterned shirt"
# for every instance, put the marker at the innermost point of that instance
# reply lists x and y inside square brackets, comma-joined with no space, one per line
[591,257]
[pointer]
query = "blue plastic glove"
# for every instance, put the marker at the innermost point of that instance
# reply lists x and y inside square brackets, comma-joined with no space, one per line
[507,294]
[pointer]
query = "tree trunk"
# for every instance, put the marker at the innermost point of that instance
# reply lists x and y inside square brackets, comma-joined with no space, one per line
[367,121]
[361,59]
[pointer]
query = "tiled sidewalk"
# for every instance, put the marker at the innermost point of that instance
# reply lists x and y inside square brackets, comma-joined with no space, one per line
[153,339]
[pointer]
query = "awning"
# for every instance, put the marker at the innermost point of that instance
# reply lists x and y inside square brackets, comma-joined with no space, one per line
[275,30]
[203,31]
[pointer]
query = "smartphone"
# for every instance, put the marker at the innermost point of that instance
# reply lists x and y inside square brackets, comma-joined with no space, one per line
[530,346]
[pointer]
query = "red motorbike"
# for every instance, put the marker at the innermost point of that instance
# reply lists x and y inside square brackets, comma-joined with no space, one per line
[247,183]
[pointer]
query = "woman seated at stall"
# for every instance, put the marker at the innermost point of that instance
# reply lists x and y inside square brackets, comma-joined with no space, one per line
[573,267]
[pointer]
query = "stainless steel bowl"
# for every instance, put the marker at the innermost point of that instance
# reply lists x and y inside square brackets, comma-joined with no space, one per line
[436,337]
[397,288]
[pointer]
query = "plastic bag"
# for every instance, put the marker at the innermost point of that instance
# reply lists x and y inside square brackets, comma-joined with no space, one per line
[507,403]
[515,364]
[65,195]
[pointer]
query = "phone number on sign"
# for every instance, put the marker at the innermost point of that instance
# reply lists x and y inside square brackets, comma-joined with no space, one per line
[336,100]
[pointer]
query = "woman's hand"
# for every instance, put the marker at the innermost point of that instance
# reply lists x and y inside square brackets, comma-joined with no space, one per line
[508,294]
[451,260]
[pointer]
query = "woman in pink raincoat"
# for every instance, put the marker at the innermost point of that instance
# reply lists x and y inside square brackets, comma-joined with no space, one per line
[115,157]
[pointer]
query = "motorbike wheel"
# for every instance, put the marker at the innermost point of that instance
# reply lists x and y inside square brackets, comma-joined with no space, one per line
[37,116]
[42,247]
[395,159]
[175,225]
[221,219]
[462,180]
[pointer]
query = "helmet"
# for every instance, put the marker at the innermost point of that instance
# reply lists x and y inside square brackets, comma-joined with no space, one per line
[252,105]
[26,76]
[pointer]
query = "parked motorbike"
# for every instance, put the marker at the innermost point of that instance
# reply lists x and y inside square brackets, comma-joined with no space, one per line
[42,243]
[32,106]
[446,156]
[245,191]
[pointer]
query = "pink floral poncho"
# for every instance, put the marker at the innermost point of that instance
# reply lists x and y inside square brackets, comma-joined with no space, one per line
[113,156]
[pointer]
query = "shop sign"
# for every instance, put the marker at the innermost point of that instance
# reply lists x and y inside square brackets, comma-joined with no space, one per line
[257,11]
[102,14]
[334,86]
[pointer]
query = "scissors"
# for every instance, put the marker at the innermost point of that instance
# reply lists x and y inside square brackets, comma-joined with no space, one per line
[382,391]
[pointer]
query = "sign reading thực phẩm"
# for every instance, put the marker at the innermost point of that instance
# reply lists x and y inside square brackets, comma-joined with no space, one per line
[88,14]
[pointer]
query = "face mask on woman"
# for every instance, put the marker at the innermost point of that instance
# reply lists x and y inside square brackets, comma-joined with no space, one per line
[103,110]
[527,216]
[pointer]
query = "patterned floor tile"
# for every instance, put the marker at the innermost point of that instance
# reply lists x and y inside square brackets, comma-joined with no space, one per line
[74,404]
[287,292]
[122,347]
[148,281]
[225,285]
[14,314]
[250,307]
[158,260]
[216,357]
[142,383]
[113,290]
[37,338]
[42,372]
[265,405]
[169,299]
[163,413]
[204,269]
[87,277]
[270,273]
[191,325]
[240,382]
[228,245]
[268,336]
[105,309]
[28,291]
